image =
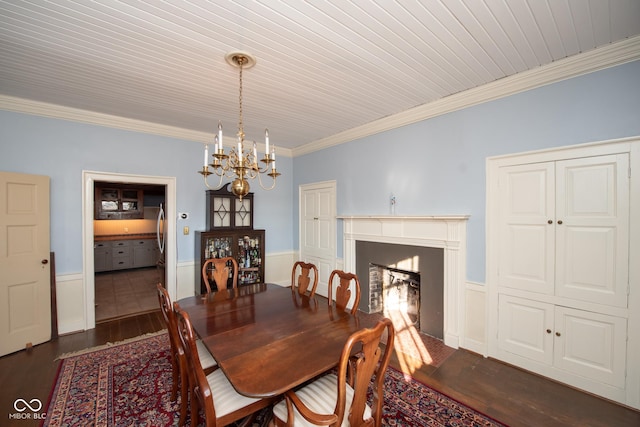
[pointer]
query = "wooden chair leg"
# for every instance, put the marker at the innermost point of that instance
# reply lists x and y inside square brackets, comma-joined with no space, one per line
[175,376]
[184,400]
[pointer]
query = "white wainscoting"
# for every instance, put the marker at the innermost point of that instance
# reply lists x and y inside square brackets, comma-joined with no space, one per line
[70,303]
[475,318]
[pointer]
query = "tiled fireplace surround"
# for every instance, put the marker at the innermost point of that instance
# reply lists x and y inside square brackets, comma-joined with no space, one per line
[424,232]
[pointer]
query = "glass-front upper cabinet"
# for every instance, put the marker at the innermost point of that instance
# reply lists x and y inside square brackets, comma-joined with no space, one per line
[118,203]
[225,210]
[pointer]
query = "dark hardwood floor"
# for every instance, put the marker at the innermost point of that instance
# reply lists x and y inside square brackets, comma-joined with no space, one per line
[510,395]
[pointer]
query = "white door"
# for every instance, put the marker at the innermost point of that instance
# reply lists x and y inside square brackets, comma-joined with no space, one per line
[25,293]
[592,229]
[591,345]
[526,328]
[526,249]
[318,229]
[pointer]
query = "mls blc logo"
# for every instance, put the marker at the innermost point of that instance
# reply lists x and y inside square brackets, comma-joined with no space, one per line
[27,410]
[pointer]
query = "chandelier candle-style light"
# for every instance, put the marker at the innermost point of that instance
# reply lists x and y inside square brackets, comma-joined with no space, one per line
[241,162]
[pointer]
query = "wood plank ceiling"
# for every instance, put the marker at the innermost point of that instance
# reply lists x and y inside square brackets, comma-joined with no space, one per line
[323,67]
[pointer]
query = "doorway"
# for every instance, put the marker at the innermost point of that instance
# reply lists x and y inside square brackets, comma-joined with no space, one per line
[128,248]
[89,180]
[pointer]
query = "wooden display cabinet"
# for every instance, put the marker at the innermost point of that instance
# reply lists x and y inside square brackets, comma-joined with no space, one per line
[246,246]
[226,211]
[118,202]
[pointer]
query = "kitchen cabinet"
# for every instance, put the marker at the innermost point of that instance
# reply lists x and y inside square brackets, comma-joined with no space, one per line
[123,254]
[114,202]
[246,246]
[102,256]
[143,252]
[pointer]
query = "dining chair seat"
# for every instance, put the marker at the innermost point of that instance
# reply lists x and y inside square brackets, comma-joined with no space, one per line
[320,396]
[225,398]
[206,359]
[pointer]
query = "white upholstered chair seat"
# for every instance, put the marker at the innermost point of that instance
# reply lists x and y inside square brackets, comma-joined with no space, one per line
[206,359]
[320,396]
[225,398]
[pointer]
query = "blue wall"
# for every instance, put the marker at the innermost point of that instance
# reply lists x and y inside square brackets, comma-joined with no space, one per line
[63,149]
[437,166]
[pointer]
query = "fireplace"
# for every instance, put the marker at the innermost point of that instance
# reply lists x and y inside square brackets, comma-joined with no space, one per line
[395,290]
[424,264]
[423,235]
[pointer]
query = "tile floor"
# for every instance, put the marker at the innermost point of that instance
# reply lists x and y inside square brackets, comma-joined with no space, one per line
[126,293]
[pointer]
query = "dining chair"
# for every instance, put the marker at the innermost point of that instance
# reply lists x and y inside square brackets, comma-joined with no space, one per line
[301,284]
[340,399]
[205,389]
[217,270]
[178,370]
[343,291]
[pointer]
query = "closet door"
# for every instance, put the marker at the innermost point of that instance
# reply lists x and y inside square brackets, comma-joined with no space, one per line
[318,229]
[526,249]
[592,229]
[591,345]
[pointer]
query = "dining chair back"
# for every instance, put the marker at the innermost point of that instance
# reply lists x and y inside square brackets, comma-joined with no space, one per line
[230,406]
[345,285]
[218,271]
[179,373]
[166,308]
[341,399]
[302,282]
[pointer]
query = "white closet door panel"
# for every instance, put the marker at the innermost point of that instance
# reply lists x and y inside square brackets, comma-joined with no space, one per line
[325,222]
[525,328]
[309,222]
[526,250]
[592,236]
[591,345]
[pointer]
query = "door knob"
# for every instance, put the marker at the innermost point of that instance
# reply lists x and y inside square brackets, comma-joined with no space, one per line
[560,221]
[548,331]
[550,221]
[45,261]
[557,334]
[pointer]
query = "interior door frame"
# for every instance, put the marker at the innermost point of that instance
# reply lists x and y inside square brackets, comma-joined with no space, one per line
[88,180]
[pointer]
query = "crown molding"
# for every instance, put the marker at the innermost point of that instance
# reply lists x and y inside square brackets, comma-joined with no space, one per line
[597,59]
[37,108]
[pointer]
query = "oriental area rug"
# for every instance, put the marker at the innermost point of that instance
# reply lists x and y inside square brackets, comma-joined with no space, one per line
[129,384]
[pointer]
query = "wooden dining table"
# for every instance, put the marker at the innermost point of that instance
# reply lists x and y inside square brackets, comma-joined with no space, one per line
[268,339]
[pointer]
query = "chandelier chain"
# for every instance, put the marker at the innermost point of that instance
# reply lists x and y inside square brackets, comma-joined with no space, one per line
[241,61]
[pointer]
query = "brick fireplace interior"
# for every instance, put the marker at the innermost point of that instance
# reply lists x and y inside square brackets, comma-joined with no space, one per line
[426,261]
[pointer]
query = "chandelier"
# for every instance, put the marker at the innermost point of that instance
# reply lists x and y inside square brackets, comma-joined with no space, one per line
[242,162]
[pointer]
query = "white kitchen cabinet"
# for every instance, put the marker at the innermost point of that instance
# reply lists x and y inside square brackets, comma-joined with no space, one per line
[587,344]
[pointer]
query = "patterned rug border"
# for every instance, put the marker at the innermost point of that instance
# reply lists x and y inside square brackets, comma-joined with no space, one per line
[109,345]
[412,378]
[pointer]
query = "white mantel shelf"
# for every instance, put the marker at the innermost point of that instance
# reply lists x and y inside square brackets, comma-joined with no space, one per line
[442,231]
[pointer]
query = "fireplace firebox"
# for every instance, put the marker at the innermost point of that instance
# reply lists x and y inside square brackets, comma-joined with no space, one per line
[395,290]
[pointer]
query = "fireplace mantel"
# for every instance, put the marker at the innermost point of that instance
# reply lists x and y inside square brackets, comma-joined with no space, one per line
[444,231]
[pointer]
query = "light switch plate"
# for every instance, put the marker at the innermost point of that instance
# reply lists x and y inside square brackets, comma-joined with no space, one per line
[185,230]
